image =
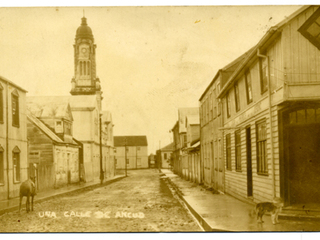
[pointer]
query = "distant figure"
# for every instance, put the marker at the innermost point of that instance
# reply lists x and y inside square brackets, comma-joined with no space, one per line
[27,189]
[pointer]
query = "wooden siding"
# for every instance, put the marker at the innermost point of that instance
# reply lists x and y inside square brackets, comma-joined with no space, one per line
[301,58]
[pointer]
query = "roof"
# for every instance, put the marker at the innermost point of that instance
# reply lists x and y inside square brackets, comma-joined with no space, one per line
[169,147]
[84,101]
[183,113]
[84,31]
[226,72]
[253,52]
[131,141]
[46,130]
[192,120]
[12,83]
[49,107]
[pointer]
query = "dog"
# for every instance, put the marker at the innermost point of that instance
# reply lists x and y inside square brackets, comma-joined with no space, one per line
[273,208]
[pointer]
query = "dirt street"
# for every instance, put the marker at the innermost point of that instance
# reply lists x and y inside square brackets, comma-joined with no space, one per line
[142,202]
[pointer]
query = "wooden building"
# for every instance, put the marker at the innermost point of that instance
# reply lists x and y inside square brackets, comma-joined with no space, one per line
[13,138]
[179,131]
[271,115]
[53,156]
[136,148]
[194,161]
[192,149]
[211,135]
[164,155]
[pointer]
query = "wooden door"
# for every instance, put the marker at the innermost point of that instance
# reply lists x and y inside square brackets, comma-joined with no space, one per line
[249,163]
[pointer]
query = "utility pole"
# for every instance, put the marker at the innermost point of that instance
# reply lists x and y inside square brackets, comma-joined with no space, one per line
[125,154]
[101,170]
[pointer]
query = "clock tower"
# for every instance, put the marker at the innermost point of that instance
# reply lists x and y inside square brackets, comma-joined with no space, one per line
[85,81]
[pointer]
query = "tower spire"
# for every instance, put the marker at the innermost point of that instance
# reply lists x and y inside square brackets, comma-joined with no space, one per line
[83,13]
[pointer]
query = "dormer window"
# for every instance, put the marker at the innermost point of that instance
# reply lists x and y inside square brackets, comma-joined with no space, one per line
[59,127]
[311,29]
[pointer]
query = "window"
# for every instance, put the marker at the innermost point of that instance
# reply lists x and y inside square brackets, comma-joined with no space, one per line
[262,166]
[236,96]
[219,107]
[207,106]
[127,160]
[16,164]
[59,127]
[165,156]
[311,29]
[248,87]
[211,106]
[15,108]
[185,140]
[1,103]
[138,161]
[67,128]
[228,105]
[214,103]
[138,148]
[238,150]
[115,161]
[1,166]
[263,74]
[218,87]
[228,146]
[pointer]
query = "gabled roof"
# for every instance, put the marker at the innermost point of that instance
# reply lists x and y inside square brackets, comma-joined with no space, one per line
[83,102]
[49,107]
[193,120]
[169,147]
[183,113]
[273,32]
[12,83]
[46,130]
[226,72]
[131,141]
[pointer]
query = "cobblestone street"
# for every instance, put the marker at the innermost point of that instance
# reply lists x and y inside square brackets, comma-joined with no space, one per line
[142,202]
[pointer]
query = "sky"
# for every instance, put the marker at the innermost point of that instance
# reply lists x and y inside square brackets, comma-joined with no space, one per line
[150,60]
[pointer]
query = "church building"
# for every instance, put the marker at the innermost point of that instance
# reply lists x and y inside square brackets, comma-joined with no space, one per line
[96,156]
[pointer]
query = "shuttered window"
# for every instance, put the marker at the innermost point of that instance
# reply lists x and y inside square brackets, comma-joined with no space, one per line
[262,164]
[238,149]
[228,149]
[16,164]
[1,166]
[1,104]
[248,87]
[228,105]
[263,63]
[15,109]
[237,96]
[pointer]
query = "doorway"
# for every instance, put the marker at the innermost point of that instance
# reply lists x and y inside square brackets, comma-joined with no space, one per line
[249,163]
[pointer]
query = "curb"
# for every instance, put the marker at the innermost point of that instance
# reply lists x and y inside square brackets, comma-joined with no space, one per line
[207,227]
[39,200]
[200,219]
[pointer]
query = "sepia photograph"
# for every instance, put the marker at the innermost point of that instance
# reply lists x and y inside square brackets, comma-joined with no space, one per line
[160,119]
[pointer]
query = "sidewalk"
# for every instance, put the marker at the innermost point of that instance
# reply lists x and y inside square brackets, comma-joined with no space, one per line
[13,204]
[222,212]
